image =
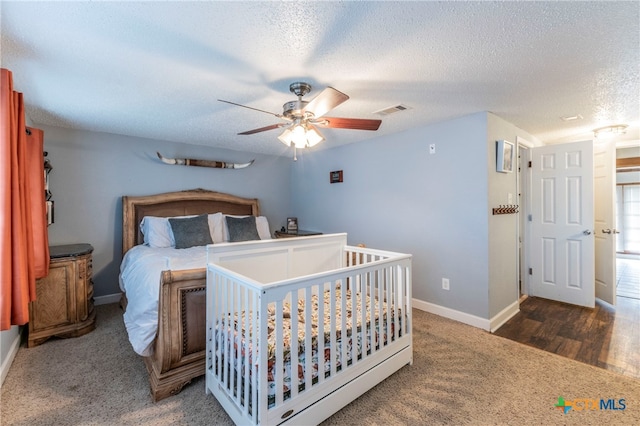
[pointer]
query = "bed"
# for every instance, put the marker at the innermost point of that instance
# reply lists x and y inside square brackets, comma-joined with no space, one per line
[176,353]
[298,328]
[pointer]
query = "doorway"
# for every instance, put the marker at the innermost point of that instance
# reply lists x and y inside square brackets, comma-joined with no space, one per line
[524,193]
[628,276]
[627,226]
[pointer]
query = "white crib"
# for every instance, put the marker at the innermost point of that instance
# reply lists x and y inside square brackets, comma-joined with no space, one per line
[350,307]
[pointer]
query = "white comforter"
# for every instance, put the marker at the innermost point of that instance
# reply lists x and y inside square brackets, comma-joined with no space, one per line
[140,280]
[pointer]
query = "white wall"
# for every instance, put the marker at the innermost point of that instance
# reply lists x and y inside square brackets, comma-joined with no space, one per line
[9,344]
[92,171]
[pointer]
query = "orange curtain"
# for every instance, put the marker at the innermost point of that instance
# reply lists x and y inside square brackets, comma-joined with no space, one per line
[24,246]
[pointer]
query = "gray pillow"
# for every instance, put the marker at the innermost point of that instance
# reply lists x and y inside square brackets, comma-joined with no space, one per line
[242,228]
[191,231]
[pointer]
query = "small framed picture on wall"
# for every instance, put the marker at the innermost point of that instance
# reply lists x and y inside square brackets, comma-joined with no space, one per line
[505,152]
[292,225]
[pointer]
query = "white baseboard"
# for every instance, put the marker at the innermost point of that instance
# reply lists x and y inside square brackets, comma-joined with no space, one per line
[6,363]
[105,300]
[505,315]
[486,324]
[459,316]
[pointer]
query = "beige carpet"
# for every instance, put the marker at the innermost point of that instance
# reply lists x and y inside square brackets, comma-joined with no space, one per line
[461,375]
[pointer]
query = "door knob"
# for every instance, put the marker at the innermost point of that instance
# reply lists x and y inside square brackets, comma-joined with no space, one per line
[606,231]
[586,232]
[615,231]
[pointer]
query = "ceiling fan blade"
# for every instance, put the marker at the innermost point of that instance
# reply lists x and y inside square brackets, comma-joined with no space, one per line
[327,100]
[263,129]
[255,109]
[349,123]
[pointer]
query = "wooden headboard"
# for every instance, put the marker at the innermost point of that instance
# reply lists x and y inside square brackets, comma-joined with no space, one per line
[181,203]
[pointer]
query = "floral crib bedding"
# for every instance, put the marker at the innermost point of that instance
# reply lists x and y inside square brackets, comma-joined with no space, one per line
[331,355]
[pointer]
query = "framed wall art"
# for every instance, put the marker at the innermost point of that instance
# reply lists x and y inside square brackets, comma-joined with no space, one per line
[292,225]
[505,152]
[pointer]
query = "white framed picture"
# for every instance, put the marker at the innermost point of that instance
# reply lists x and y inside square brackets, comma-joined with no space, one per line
[504,156]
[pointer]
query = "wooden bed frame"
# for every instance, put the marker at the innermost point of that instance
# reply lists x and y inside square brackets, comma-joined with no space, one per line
[179,348]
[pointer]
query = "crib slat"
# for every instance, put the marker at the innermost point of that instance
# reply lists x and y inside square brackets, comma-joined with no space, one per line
[407,304]
[344,339]
[380,312]
[353,302]
[226,327]
[293,371]
[235,365]
[262,367]
[372,311]
[278,374]
[245,349]
[308,334]
[321,337]
[332,333]
[396,328]
[217,324]
[253,351]
[388,300]
[363,313]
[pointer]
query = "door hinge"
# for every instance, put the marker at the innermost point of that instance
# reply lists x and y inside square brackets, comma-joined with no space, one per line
[530,217]
[529,164]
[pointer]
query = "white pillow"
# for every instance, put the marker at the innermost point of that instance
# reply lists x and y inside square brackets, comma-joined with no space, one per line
[216,227]
[158,233]
[262,225]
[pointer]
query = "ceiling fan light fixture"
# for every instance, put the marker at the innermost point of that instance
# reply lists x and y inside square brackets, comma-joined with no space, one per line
[303,116]
[313,137]
[286,137]
[300,136]
[610,131]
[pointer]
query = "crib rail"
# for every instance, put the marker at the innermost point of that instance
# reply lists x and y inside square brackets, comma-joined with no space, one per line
[322,330]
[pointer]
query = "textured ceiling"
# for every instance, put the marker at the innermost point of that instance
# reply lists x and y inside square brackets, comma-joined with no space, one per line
[155,69]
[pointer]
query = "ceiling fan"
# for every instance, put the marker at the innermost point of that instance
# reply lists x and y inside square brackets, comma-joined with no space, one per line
[302,117]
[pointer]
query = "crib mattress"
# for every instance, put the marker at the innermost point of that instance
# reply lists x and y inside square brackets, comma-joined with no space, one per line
[331,354]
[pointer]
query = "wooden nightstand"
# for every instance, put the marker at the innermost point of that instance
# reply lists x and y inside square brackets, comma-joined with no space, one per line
[300,233]
[64,298]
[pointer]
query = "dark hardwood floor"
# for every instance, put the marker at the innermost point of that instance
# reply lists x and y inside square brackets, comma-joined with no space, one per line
[606,337]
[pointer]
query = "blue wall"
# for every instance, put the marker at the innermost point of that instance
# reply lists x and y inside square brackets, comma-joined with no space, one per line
[397,196]
[92,171]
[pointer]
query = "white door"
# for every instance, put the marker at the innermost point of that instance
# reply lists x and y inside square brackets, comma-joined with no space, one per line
[604,221]
[562,240]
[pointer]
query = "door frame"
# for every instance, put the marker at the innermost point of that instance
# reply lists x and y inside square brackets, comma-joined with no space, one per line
[523,184]
[604,195]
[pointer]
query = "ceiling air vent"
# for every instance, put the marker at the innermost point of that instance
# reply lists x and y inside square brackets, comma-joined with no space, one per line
[392,109]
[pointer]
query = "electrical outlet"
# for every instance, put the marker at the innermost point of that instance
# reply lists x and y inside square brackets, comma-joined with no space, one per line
[432,148]
[445,283]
